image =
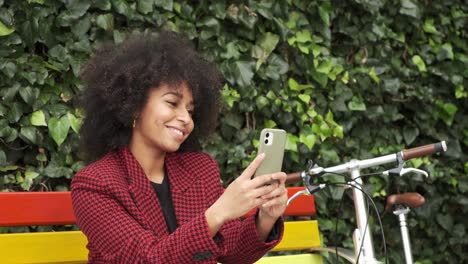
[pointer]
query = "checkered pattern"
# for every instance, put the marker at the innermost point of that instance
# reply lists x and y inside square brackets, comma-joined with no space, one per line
[118,210]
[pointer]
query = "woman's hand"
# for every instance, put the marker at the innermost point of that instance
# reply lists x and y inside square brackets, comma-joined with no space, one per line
[274,206]
[241,196]
[277,199]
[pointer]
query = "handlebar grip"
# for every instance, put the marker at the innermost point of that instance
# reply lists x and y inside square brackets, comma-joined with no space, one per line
[293,177]
[424,150]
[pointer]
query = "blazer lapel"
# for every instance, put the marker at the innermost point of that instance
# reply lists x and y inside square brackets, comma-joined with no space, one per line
[188,196]
[143,195]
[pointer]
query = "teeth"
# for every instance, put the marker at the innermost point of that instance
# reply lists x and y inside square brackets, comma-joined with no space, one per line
[178,131]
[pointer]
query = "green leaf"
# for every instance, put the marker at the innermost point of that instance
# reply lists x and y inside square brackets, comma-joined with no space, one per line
[8,168]
[31,175]
[325,67]
[29,133]
[3,159]
[81,27]
[105,22]
[276,67]
[324,10]
[374,76]
[165,4]
[321,78]
[356,104]
[303,36]
[446,111]
[445,220]
[291,143]
[445,52]
[10,69]
[266,44]
[29,95]
[293,85]
[304,97]
[230,96]
[244,72]
[460,92]
[4,30]
[75,122]
[104,5]
[8,133]
[409,8]
[409,134]
[270,124]
[145,6]
[15,113]
[429,27]
[261,102]
[122,7]
[418,61]
[309,140]
[58,129]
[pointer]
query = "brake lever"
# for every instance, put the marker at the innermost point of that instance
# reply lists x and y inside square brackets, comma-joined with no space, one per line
[403,171]
[307,191]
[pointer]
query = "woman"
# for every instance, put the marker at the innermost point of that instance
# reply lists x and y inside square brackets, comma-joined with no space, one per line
[148,196]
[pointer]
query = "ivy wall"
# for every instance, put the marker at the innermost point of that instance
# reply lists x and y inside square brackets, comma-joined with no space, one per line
[346,79]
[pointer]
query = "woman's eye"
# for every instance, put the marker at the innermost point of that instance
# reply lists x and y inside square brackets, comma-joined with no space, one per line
[172,103]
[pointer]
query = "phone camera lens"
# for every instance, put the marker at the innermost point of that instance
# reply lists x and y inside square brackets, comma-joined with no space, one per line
[266,141]
[267,135]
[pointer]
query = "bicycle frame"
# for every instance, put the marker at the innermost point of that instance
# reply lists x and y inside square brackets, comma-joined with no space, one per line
[362,234]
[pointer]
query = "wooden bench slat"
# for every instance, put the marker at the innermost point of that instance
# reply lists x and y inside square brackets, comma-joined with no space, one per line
[299,235]
[44,247]
[293,259]
[36,208]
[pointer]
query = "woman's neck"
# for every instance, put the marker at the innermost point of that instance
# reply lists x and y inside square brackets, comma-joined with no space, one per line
[150,159]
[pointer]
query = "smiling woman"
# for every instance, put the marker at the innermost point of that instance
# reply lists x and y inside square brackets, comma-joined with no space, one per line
[148,196]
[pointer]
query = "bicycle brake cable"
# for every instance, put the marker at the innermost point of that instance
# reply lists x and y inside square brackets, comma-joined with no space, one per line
[369,198]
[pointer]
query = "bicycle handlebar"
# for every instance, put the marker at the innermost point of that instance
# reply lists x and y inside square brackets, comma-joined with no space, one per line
[293,177]
[424,150]
[406,154]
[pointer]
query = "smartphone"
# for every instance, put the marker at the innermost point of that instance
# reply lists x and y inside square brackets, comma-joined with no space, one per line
[272,143]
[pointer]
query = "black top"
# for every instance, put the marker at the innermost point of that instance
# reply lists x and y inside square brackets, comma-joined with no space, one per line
[164,195]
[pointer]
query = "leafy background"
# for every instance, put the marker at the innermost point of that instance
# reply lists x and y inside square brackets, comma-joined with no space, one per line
[346,79]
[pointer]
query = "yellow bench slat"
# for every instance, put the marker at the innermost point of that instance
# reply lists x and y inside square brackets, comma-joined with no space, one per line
[44,247]
[299,235]
[293,259]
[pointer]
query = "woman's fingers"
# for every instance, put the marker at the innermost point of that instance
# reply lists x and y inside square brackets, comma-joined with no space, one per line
[276,192]
[277,200]
[260,192]
[253,166]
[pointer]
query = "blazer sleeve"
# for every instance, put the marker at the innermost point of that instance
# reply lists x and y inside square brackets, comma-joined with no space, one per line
[239,239]
[119,238]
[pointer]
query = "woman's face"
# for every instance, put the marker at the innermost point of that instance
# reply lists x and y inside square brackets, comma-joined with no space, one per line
[166,120]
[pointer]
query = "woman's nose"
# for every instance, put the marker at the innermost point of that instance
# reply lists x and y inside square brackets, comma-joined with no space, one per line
[184,115]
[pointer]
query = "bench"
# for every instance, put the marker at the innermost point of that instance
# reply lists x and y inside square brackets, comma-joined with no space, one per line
[55,208]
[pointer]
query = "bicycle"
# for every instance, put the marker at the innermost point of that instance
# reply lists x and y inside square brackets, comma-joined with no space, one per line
[400,203]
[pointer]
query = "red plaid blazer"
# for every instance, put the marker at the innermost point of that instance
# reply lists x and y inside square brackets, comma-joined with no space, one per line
[117,209]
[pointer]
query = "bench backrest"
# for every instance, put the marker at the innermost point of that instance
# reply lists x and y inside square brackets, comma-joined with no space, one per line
[40,208]
[55,208]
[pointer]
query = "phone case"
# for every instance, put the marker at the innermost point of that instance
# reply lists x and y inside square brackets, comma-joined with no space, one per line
[272,143]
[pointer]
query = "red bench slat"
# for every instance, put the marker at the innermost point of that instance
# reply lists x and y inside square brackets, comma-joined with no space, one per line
[36,208]
[55,208]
